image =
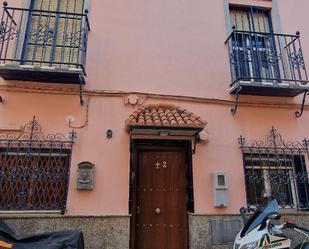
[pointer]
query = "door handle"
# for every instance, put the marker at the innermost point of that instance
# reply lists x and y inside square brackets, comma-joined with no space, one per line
[158,211]
[138,210]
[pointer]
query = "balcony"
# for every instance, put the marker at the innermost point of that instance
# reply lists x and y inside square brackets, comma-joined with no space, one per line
[266,64]
[43,46]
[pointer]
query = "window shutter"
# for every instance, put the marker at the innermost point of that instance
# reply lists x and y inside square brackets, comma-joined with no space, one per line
[239,19]
[260,22]
[45,5]
[69,32]
[250,20]
[57,35]
[72,6]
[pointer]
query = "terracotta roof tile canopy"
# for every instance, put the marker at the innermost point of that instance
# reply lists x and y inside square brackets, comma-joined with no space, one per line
[167,116]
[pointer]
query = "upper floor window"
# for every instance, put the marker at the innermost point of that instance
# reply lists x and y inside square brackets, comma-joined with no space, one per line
[277,168]
[253,45]
[54,33]
[45,42]
[34,170]
[263,62]
[251,19]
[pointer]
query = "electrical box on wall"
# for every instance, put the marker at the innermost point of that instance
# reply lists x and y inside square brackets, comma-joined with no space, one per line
[220,187]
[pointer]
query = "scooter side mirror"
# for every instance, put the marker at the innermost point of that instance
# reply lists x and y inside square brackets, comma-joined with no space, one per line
[274,216]
[242,210]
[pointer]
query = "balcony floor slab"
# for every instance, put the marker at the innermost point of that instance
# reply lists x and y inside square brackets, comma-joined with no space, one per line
[268,88]
[41,74]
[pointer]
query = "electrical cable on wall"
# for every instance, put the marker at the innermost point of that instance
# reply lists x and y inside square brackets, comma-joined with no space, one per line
[86,117]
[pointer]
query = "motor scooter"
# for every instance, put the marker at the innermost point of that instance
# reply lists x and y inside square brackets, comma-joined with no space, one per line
[260,232]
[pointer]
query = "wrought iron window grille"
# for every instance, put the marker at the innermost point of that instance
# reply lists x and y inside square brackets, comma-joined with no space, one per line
[34,169]
[276,167]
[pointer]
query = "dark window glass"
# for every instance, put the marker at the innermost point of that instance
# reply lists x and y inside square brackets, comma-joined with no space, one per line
[283,176]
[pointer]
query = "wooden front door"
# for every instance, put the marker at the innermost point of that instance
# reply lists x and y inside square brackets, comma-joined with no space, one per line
[161,193]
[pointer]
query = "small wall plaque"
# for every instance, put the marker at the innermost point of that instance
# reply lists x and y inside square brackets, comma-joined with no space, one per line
[85,176]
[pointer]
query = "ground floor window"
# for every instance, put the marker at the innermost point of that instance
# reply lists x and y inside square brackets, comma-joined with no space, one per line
[34,180]
[278,168]
[34,170]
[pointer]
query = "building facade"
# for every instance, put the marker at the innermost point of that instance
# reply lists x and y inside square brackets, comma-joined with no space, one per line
[148,124]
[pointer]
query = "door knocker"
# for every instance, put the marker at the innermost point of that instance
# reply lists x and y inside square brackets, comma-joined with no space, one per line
[158,211]
[164,165]
[157,165]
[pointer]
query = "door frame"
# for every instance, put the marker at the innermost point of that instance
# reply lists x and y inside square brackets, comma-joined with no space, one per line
[153,145]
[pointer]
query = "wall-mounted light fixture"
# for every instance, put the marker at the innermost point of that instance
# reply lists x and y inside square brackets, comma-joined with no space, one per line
[203,136]
[109,133]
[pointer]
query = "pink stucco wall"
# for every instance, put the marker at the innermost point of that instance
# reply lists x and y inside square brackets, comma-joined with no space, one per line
[182,43]
[111,157]
[165,48]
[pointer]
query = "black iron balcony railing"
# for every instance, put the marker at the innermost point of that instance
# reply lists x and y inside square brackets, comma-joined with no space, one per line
[39,45]
[266,63]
